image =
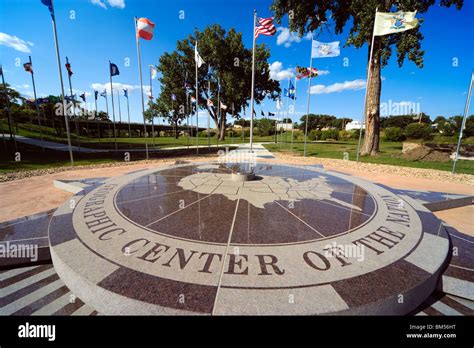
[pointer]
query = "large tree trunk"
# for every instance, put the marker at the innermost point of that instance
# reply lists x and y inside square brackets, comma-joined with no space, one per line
[221,128]
[372,110]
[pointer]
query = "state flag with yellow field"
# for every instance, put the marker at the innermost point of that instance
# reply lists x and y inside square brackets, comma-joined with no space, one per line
[396,22]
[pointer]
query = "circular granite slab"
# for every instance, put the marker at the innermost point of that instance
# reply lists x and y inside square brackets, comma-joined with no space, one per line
[189,239]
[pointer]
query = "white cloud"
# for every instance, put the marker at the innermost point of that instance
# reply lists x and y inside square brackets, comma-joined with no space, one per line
[353,85]
[286,37]
[277,73]
[15,43]
[118,86]
[112,3]
[323,72]
[24,86]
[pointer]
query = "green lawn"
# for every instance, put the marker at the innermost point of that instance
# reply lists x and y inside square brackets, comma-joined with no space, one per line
[390,153]
[32,159]
[124,142]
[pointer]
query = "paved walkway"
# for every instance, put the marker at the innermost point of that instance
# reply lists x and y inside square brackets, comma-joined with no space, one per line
[63,147]
[257,148]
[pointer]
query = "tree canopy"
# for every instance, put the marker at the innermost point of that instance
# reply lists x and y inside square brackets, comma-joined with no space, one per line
[231,65]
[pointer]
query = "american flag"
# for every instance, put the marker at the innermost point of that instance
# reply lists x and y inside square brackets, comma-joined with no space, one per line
[266,27]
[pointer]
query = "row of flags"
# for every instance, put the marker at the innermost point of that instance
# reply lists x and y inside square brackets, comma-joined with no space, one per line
[385,23]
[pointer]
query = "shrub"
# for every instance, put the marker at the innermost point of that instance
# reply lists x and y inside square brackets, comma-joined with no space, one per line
[298,135]
[419,131]
[332,134]
[314,135]
[355,133]
[394,134]
[204,134]
[345,135]
[446,128]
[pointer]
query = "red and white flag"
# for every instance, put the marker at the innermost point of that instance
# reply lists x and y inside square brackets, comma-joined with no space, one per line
[145,28]
[266,27]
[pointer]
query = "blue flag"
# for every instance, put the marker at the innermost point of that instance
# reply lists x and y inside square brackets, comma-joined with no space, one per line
[49,3]
[125,93]
[96,93]
[325,50]
[104,93]
[114,70]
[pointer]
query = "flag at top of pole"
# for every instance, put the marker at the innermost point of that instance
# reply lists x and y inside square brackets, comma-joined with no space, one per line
[266,27]
[49,4]
[396,22]
[197,57]
[145,28]
[325,50]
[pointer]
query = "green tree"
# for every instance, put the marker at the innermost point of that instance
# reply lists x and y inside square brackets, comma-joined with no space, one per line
[232,66]
[314,15]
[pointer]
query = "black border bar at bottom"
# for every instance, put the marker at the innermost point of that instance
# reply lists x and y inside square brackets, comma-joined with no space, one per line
[329,330]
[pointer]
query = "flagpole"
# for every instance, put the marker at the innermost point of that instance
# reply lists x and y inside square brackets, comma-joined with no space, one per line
[36,104]
[141,86]
[253,81]
[366,88]
[218,108]
[463,125]
[151,110]
[209,114]
[107,109]
[129,127]
[287,107]
[294,115]
[309,95]
[113,107]
[96,114]
[8,109]
[62,87]
[120,111]
[74,108]
[197,104]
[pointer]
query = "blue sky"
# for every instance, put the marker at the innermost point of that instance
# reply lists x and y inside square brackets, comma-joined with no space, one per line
[92,32]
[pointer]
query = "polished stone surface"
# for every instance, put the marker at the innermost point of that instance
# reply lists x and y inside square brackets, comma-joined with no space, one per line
[187,239]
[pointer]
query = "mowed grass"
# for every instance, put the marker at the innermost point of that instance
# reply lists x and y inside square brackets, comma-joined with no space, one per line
[33,158]
[390,153]
[126,142]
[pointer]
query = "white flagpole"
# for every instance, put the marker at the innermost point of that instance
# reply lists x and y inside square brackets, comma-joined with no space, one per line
[141,87]
[287,107]
[253,80]
[74,109]
[309,94]
[151,100]
[294,115]
[37,107]
[120,111]
[366,89]
[129,127]
[66,121]
[209,114]
[197,103]
[463,125]
[113,107]
[95,115]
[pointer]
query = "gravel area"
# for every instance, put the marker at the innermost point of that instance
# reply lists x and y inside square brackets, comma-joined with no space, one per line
[431,174]
[333,164]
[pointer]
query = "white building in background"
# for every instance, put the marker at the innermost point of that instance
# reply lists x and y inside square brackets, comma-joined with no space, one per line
[284,126]
[354,125]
